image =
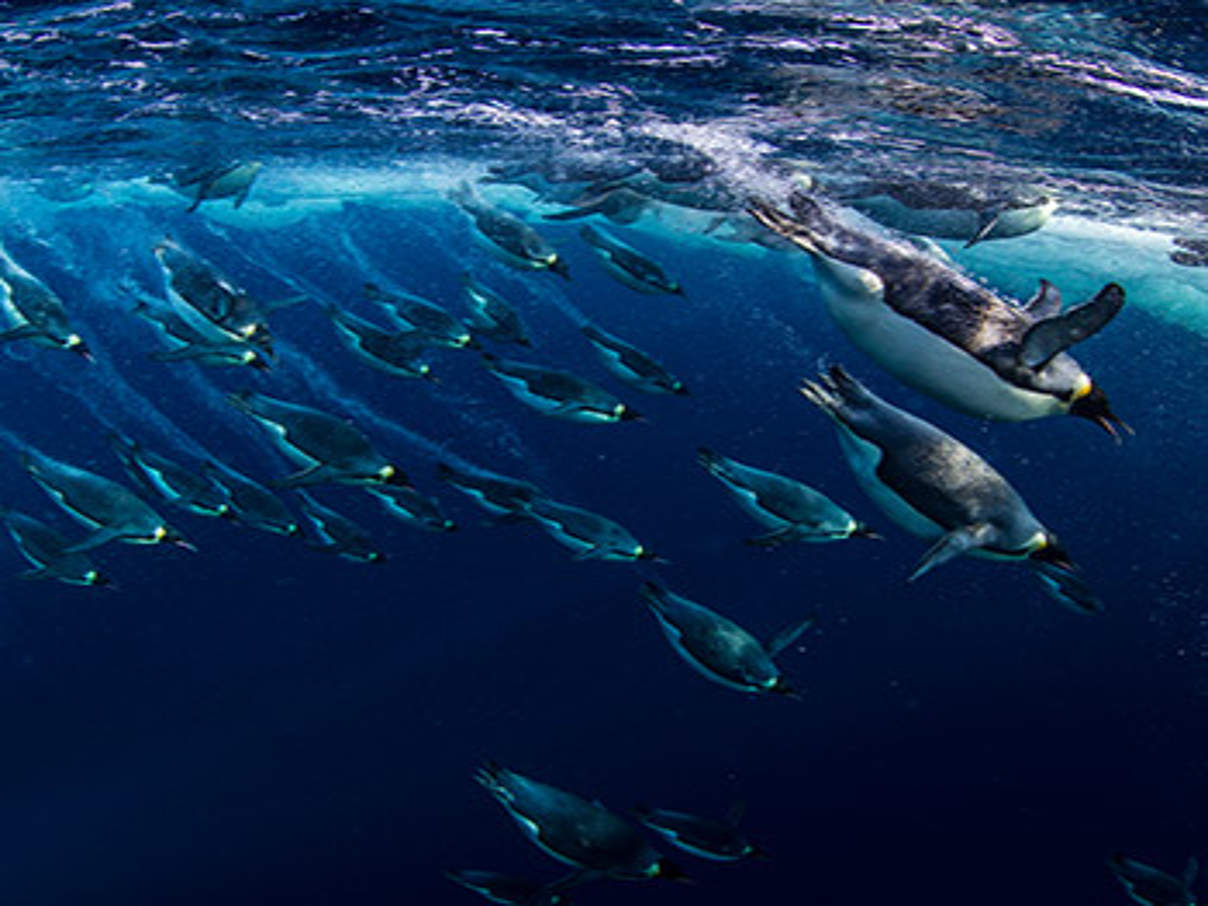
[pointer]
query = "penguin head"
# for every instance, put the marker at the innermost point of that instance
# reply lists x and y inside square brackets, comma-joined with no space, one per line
[254,359]
[389,474]
[1093,406]
[558,265]
[77,345]
[626,414]
[1049,550]
[781,686]
[293,529]
[678,388]
[93,578]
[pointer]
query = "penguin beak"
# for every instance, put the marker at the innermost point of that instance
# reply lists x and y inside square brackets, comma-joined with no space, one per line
[560,267]
[1094,407]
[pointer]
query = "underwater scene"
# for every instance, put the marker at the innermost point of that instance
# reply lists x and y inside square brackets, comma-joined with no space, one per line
[679,452]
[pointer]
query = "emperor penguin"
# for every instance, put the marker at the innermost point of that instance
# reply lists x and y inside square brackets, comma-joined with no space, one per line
[227,180]
[718,648]
[413,508]
[558,393]
[938,489]
[943,333]
[49,551]
[188,344]
[1151,886]
[705,838]
[632,365]
[328,448]
[337,534]
[497,494]
[34,312]
[168,480]
[576,832]
[590,535]
[510,238]
[508,890]
[628,265]
[251,503]
[395,352]
[435,325]
[112,511]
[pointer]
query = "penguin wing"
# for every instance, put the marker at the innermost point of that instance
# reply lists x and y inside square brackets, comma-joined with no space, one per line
[1050,336]
[951,545]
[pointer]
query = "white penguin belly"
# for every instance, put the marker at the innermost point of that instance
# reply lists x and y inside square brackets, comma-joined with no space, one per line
[924,360]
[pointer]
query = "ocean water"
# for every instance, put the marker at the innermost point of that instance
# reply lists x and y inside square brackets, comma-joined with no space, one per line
[259,722]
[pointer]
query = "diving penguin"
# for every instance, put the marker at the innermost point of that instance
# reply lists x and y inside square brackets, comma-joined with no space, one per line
[34,312]
[112,511]
[1151,887]
[572,830]
[187,343]
[589,535]
[507,890]
[705,838]
[628,265]
[171,482]
[435,325]
[718,648]
[491,316]
[413,508]
[227,180]
[251,503]
[329,448]
[936,488]
[510,238]
[497,494]
[943,333]
[338,534]
[49,551]
[396,352]
[792,510]
[559,393]
[631,365]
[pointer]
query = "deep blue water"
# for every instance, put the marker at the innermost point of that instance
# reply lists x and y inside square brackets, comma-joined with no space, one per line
[259,723]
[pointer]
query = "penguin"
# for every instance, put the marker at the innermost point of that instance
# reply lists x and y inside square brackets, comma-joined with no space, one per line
[329,448]
[498,495]
[491,316]
[500,888]
[969,213]
[338,534]
[619,204]
[718,648]
[509,238]
[49,552]
[705,838]
[395,352]
[228,180]
[32,311]
[589,535]
[187,343]
[559,393]
[209,301]
[1152,887]
[112,511]
[251,503]
[792,510]
[631,365]
[582,834]
[171,482]
[628,265]
[945,334]
[937,489]
[413,508]
[433,323]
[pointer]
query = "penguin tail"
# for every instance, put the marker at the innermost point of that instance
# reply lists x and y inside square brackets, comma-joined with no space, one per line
[708,458]
[490,775]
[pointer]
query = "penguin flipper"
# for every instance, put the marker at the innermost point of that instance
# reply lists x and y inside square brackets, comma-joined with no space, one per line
[24,332]
[595,552]
[202,188]
[950,546]
[311,475]
[1046,303]
[96,539]
[788,635]
[1046,338]
[986,222]
[1067,588]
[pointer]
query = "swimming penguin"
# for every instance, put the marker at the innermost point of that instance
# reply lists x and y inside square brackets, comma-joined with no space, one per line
[936,488]
[338,534]
[508,237]
[187,343]
[719,649]
[329,448]
[32,311]
[945,334]
[509,891]
[589,535]
[396,352]
[952,210]
[792,510]
[228,180]
[631,365]
[628,265]
[498,495]
[49,552]
[491,316]
[413,508]
[619,204]
[705,838]
[435,325]
[209,301]
[1152,887]
[574,831]
[160,477]
[251,503]
[112,511]
[559,393]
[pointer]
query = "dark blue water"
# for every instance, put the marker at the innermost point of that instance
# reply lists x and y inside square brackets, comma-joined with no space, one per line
[258,722]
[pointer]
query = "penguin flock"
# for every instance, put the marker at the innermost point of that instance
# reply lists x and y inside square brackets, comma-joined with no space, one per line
[899,300]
